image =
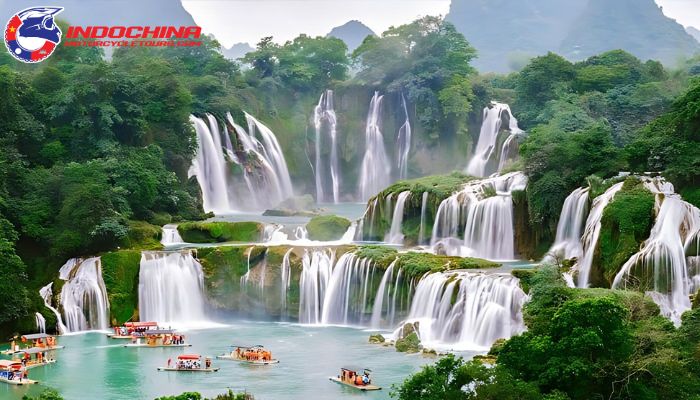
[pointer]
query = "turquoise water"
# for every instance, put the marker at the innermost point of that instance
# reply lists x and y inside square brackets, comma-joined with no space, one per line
[93,366]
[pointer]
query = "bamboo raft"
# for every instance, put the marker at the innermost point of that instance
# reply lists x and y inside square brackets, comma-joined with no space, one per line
[188,369]
[17,382]
[352,385]
[243,360]
[156,345]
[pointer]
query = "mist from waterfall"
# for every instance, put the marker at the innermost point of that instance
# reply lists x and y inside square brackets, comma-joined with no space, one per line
[467,311]
[662,268]
[567,243]
[478,220]
[375,171]
[403,142]
[265,180]
[589,240]
[488,157]
[328,172]
[84,296]
[171,289]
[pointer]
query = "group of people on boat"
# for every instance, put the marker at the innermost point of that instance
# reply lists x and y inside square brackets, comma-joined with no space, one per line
[253,354]
[355,378]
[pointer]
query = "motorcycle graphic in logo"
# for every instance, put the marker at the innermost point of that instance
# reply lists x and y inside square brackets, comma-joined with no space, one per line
[31,35]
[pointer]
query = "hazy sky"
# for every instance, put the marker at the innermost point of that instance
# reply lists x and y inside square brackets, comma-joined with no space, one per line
[233,21]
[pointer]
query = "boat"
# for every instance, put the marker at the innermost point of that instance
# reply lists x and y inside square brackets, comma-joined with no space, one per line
[39,340]
[256,355]
[190,363]
[159,338]
[35,357]
[350,377]
[13,372]
[131,329]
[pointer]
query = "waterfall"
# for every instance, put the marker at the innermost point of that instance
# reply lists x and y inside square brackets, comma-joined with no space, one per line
[46,293]
[482,163]
[570,227]
[171,288]
[395,235]
[266,179]
[300,233]
[375,170]
[589,240]
[170,235]
[209,166]
[510,149]
[423,211]
[324,114]
[483,212]
[83,296]
[286,279]
[40,322]
[403,142]
[660,268]
[383,296]
[467,311]
[346,296]
[315,276]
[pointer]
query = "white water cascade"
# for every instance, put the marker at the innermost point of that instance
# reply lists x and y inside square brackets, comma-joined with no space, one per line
[403,142]
[423,214]
[326,172]
[315,276]
[589,240]
[171,288]
[209,166]
[83,296]
[384,311]
[170,235]
[265,177]
[467,311]
[661,268]
[567,243]
[375,171]
[285,280]
[483,213]
[40,322]
[485,162]
[395,235]
[347,294]
[46,293]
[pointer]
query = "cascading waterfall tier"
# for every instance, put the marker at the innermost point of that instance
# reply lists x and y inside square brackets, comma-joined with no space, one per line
[46,293]
[83,296]
[403,142]
[315,276]
[265,178]
[171,288]
[589,240]
[466,311]
[347,294]
[327,171]
[423,215]
[478,220]
[375,171]
[567,243]
[170,236]
[488,156]
[663,266]
[40,322]
[395,235]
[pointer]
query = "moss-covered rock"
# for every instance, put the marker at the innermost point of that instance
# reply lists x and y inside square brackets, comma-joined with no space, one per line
[376,339]
[441,186]
[408,344]
[120,271]
[327,227]
[524,276]
[626,223]
[142,236]
[217,232]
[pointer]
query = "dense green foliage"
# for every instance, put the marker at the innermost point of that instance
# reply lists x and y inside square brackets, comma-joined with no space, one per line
[120,272]
[213,232]
[327,227]
[580,344]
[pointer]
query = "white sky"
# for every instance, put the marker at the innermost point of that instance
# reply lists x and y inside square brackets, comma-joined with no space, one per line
[234,21]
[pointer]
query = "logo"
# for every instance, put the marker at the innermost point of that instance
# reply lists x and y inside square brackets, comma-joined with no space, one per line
[31,35]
